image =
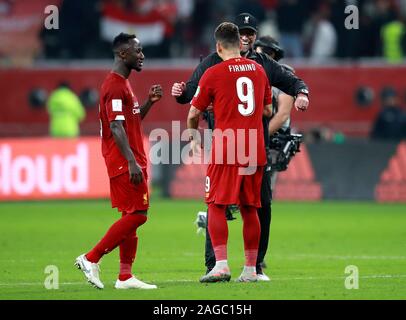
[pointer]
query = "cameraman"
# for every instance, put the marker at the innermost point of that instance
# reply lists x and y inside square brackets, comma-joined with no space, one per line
[279,124]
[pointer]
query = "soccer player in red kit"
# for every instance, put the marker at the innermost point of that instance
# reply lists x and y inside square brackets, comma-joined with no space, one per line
[123,151]
[239,91]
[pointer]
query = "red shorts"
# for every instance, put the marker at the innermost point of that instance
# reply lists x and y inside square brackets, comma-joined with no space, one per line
[226,186]
[127,197]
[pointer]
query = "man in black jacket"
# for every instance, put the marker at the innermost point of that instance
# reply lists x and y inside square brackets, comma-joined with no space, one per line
[278,77]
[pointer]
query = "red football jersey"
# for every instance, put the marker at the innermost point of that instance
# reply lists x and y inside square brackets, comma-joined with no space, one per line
[118,102]
[238,89]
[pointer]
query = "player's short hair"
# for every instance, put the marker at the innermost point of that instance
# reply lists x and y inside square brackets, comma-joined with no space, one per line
[121,39]
[228,35]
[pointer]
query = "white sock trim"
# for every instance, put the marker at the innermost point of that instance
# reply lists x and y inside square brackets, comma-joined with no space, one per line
[221,264]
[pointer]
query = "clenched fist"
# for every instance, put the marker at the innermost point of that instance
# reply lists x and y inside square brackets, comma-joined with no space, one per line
[178,88]
[302,102]
[155,93]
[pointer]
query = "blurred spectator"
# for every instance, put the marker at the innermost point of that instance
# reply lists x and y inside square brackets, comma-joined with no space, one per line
[66,112]
[374,14]
[290,17]
[346,39]
[201,16]
[78,31]
[183,28]
[20,24]
[321,35]
[218,12]
[183,33]
[324,134]
[254,7]
[393,36]
[5,7]
[402,7]
[390,123]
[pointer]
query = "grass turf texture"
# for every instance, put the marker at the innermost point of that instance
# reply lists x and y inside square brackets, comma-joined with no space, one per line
[310,246]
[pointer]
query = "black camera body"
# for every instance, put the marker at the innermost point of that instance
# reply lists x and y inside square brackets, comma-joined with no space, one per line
[286,145]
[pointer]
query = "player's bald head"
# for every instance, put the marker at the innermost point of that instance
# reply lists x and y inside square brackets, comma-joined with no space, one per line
[227,35]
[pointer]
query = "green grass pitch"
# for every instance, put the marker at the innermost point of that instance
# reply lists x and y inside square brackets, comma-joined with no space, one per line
[311,245]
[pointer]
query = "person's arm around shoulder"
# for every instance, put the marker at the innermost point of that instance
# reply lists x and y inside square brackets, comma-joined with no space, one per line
[183,92]
[288,82]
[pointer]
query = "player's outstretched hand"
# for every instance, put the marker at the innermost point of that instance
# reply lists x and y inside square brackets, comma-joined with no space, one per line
[178,88]
[135,172]
[302,102]
[155,93]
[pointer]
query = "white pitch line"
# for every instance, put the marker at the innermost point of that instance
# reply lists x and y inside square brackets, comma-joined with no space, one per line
[376,276]
[338,257]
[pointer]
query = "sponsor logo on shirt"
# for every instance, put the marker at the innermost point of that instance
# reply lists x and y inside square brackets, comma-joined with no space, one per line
[136,108]
[117,105]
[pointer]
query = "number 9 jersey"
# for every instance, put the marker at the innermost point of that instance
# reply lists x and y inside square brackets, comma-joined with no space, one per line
[239,91]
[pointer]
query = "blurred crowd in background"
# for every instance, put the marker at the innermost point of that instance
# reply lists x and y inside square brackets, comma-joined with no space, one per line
[312,29]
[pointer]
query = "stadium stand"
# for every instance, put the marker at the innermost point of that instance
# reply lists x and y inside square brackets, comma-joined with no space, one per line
[20,25]
[298,182]
[188,182]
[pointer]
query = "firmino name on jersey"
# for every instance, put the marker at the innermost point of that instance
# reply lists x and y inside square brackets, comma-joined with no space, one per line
[241,67]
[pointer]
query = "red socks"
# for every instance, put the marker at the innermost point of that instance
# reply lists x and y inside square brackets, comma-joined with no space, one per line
[116,235]
[218,230]
[128,250]
[251,233]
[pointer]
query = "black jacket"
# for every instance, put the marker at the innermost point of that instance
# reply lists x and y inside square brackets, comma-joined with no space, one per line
[277,75]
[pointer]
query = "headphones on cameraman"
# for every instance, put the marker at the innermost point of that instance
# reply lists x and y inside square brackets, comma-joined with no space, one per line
[270,46]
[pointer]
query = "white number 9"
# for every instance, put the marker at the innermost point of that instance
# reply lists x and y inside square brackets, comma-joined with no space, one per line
[207,187]
[247,98]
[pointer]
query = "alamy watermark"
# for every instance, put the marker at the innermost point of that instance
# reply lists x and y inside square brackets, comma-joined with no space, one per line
[352,20]
[352,279]
[52,19]
[52,279]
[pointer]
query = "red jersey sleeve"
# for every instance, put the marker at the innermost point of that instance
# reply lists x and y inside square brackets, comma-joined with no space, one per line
[203,96]
[115,103]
